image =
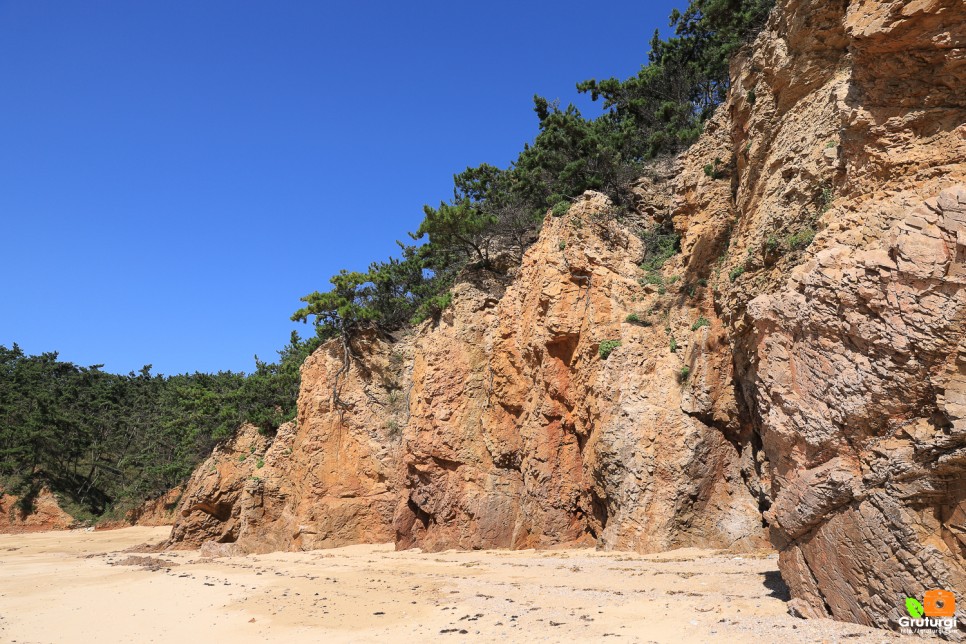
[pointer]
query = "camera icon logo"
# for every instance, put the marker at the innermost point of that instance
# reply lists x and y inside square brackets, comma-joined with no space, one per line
[939,603]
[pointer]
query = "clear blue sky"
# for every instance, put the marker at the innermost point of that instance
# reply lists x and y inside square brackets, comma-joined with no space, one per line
[174,176]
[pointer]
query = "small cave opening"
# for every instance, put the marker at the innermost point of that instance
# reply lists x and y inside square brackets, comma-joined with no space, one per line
[563,347]
[597,520]
[220,511]
[424,517]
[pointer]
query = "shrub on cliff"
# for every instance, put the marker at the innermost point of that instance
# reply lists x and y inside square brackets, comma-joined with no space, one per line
[607,347]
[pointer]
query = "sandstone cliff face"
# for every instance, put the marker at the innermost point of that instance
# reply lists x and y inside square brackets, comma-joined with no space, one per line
[44,513]
[850,356]
[522,435]
[157,512]
[798,369]
[328,479]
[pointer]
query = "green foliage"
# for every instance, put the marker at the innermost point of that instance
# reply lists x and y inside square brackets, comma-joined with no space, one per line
[390,294]
[260,463]
[673,345]
[607,347]
[736,272]
[801,239]
[652,277]
[661,243]
[826,197]
[700,322]
[751,96]
[104,442]
[712,169]
[670,99]
[342,308]
[684,374]
[658,112]
[460,227]
[432,307]
[635,318]
[562,245]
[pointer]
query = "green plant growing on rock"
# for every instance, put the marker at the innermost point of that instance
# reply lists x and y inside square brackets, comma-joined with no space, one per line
[653,278]
[562,245]
[825,200]
[801,239]
[700,322]
[560,209]
[674,345]
[713,170]
[607,347]
[736,272]
[432,307]
[684,374]
[260,463]
[635,318]
[661,243]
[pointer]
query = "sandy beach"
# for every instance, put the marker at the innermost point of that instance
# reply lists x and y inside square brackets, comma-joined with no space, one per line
[80,586]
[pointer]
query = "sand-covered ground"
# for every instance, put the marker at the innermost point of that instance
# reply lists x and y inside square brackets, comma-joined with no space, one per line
[79,587]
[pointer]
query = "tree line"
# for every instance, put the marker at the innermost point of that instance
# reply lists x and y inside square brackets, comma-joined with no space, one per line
[105,442]
[496,212]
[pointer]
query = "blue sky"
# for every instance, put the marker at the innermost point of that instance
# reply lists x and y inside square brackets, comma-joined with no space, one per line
[174,176]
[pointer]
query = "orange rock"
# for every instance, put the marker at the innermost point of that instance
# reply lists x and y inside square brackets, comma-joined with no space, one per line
[43,513]
[800,366]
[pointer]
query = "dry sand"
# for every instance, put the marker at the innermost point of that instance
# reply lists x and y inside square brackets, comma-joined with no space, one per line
[78,587]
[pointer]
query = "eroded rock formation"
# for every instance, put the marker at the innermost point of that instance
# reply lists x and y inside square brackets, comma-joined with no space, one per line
[34,514]
[157,512]
[797,370]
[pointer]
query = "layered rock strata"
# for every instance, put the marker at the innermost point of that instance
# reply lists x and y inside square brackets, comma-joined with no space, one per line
[798,369]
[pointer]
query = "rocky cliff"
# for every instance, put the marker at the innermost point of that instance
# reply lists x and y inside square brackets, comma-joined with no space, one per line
[797,371]
[35,513]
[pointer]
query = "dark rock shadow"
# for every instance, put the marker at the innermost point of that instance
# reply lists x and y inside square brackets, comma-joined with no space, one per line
[773,581]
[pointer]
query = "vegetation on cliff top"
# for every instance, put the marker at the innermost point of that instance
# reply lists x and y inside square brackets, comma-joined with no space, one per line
[104,441]
[495,211]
